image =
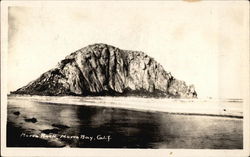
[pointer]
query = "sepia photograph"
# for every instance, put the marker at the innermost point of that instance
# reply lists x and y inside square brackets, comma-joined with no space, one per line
[110,78]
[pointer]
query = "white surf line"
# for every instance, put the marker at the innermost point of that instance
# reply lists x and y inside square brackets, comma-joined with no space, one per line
[160,106]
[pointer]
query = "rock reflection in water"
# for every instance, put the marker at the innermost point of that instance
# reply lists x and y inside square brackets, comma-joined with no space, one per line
[118,128]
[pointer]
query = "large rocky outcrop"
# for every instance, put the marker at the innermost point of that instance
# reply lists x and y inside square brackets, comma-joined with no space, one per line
[102,69]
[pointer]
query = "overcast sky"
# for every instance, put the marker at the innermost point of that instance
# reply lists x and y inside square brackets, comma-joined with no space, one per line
[203,44]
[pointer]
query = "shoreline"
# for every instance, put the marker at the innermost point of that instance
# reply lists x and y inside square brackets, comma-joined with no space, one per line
[201,107]
[41,122]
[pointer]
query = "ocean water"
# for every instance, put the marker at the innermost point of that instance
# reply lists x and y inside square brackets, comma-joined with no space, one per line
[110,122]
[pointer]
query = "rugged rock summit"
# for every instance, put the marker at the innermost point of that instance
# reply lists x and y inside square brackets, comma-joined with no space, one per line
[101,69]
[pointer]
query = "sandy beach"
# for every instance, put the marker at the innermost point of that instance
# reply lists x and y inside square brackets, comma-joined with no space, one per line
[212,107]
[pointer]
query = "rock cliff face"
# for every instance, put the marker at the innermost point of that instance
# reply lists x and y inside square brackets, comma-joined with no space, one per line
[102,69]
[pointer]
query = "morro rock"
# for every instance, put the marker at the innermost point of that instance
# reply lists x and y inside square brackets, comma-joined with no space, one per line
[101,69]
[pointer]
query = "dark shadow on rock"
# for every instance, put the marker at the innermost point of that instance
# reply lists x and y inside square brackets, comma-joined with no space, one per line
[60,126]
[33,120]
[48,131]
[16,113]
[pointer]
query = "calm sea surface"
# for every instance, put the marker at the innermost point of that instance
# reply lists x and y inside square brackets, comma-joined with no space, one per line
[45,124]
